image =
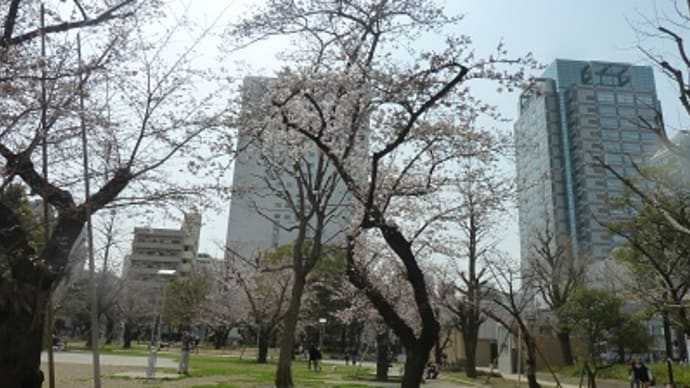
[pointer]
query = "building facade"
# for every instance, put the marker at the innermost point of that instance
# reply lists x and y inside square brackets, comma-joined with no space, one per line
[260,214]
[580,112]
[155,249]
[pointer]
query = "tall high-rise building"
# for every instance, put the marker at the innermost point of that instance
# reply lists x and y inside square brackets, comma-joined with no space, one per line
[261,216]
[577,112]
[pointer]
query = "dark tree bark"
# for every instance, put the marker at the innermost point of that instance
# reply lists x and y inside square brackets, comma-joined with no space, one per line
[263,346]
[127,335]
[21,333]
[382,356]
[470,340]
[220,337]
[564,343]
[531,372]
[414,367]
[287,342]
[591,376]
[417,349]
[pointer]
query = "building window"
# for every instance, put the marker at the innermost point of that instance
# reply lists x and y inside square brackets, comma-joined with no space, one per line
[648,136]
[609,123]
[625,98]
[647,113]
[633,136]
[629,123]
[603,96]
[607,110]
[611,158]
[614,147]
[626,111]
[631,147]
[645,100]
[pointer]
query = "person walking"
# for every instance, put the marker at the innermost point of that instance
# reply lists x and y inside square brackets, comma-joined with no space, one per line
[314,357]
[186,348]
[640,375]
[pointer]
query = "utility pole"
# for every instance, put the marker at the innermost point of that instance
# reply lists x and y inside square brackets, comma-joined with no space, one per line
[46,219]
[89,230]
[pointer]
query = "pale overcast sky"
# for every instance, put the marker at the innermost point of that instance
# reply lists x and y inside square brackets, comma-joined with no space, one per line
[550,29]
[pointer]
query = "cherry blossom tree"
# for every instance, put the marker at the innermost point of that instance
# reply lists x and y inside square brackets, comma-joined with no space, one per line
[297,175]
[225,308]
[265,280]
[512,301]
[390,128]
[136,312]
[482,195]
[361,312]
[556,275]
[134,108]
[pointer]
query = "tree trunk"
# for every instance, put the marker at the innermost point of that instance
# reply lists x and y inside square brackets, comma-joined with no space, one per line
[668,341]
[382,356]
[127,335]
[109,330]
[87,344]
[591,380]
[469,337]
[591,377]
[263,346]
[531,363]
[565,345]
[680,340]
[415,361]
[416,349]
[220,337]
[621,354]
[287,341]
[438,350]
[531,373]
[21,335]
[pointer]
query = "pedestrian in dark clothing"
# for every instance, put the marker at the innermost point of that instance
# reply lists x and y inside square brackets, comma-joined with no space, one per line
[314,357]
[640,375]
[431,371]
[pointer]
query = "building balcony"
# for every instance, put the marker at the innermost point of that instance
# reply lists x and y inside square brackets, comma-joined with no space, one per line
[157,245]
[154,258]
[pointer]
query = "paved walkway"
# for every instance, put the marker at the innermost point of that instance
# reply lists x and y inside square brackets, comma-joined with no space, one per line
[108,359]
[547,380]
[142,375]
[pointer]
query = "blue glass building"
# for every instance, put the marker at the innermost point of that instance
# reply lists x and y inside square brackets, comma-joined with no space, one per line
[577,111]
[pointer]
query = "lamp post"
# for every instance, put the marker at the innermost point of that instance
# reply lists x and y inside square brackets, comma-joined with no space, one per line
[322,325]
[154,346]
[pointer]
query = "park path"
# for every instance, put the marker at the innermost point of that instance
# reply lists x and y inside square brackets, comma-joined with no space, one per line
[107,359]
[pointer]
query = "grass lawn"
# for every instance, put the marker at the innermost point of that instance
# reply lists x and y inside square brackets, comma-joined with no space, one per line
[243,373]
[223,369]
[480,381]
